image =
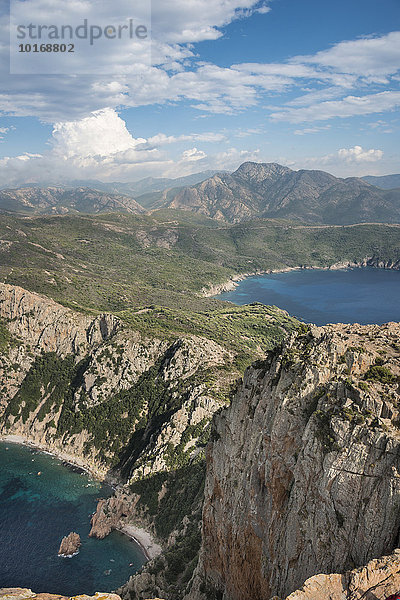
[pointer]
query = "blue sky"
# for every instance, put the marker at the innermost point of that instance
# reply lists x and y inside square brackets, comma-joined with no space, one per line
[306,83]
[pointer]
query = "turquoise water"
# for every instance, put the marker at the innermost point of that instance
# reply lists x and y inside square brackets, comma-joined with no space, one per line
[37,511]
[364,295]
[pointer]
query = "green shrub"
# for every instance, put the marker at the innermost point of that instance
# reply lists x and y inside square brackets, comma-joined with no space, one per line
[380,373]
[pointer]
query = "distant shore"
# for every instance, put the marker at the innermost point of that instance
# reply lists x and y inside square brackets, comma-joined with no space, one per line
[233,282]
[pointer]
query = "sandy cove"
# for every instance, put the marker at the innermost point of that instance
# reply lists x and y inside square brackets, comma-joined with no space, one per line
[143,538]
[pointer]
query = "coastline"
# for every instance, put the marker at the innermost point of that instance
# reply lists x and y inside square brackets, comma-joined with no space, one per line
[229,285]
[64,457]
[143,538]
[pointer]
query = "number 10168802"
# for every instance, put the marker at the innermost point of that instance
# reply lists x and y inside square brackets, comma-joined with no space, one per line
[46,48]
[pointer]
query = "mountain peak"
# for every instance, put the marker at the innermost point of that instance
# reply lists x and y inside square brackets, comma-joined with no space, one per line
[252,171]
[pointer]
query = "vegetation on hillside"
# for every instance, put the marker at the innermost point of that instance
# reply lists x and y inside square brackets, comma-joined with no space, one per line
[122,263]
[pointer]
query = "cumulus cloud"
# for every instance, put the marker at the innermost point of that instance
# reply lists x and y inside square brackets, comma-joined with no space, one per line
[226,160]
[101,147]
[358,154]
[193,154]
[343,161]
[102,134]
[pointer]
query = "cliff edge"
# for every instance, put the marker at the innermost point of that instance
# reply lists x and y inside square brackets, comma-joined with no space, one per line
[303,467]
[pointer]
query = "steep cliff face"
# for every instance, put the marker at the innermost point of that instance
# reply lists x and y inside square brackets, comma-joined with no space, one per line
[97,392]
[25,594]
[303,470]
[378,580]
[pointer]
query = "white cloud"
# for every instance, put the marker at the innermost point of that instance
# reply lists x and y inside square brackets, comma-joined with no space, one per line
[308,130]
[161,139]
[347,107]
[103,133]
[178,74]
[227,160]
[353,161]
[358,154]
[193,155]
[364,57]
[101,147]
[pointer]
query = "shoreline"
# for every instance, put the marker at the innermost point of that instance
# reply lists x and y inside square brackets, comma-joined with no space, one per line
[64,458]
[228,286]
[143,538]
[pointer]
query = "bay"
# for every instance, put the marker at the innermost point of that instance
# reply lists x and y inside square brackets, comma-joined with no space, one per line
[359,295]
[37,511]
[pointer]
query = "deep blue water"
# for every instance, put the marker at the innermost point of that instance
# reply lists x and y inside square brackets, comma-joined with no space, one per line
[364,295]
[35,514]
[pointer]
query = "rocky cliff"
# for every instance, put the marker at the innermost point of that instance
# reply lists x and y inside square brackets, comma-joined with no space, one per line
[378,580]
[25,594]
[70,545]
[303,467]
[97,392]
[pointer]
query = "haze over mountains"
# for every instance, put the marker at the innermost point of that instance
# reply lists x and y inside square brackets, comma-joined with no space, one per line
[386,182]
[254,190]
[58,200]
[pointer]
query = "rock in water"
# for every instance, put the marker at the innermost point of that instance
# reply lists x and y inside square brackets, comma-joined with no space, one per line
[70,545]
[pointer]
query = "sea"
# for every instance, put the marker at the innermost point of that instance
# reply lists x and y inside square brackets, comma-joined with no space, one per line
[38,510]
[359,295]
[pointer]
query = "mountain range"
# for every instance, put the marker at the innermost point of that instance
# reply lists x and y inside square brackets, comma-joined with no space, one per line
[57,200]
[253,191]
[386,182]
[270,190]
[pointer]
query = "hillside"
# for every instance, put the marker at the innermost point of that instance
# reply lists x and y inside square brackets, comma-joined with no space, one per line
[126,403]
[318,411]
[386,182]
[270,190]
[126,262]
[59,200]
[130,381]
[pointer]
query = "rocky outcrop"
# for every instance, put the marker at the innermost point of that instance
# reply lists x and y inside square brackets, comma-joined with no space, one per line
[50,326]
[70,545]
[25,594]
[99,362]
[303,472]
[369,261]
[378,580]
[111,514]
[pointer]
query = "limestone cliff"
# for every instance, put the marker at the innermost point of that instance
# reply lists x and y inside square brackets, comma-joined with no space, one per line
[303,467]
[25,594]
[378,580]
[100,394]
